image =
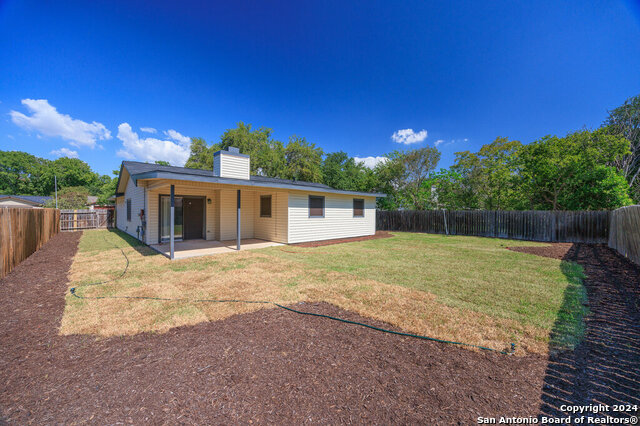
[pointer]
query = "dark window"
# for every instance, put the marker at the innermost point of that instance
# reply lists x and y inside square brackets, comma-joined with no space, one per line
[265,206]
[316,206]
[358,207]
[129,209]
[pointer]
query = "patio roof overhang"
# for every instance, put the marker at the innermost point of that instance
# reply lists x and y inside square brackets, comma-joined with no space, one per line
[244,182]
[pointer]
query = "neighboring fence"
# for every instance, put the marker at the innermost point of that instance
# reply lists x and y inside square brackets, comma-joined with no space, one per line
[76,220]
[549,226]
[22,232]
[625,232]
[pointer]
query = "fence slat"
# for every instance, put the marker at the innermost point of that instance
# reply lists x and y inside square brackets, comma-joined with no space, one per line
[22,232]
[624,235]
[76,220]
[545,226]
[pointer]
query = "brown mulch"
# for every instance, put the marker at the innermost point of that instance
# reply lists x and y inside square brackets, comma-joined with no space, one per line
[605,367]
[554,251]
[270,366]
[377,235]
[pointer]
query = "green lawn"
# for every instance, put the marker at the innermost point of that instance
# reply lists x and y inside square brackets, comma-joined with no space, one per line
[471,273]
[456,288]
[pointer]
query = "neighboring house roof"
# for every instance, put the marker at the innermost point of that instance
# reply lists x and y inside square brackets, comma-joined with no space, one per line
[36,200]
[138,170]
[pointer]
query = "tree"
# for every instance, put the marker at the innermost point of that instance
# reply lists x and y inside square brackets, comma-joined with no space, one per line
[402,178]
[108,188]
[342,172]
[490,174]
[267,155]
[571,172]
[303,160]
[201,156]
[625,121]
[449,190]
[72,197]
[21,173]
[162,163]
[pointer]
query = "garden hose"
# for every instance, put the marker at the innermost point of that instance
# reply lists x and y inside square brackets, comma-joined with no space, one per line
[73,291]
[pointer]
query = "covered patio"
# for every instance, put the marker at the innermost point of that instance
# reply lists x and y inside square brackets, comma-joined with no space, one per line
[193,248]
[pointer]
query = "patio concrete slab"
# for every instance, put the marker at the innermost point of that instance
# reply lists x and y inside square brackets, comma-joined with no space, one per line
[193,248]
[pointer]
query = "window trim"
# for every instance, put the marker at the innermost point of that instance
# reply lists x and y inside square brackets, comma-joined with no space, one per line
[270,205]
[129,208]
[354,207]
[322,197]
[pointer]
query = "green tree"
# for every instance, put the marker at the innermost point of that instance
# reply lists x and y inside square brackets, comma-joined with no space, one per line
[403,178]
[108,188]
[303,160]
[449,190]
[572,173]
[71,197]
[342,172]
[491,174]
[201,156]
[625,121]
[267,155]
[21,173]
[162,163]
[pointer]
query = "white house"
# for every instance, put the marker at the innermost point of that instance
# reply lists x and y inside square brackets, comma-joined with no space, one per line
[227,203]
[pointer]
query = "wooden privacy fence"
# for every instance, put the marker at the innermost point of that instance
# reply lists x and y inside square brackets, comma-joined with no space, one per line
[76,220]
[549,226]
[22,232]
[625,232]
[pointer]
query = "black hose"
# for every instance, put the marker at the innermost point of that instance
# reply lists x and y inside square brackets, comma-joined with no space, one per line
[266,302]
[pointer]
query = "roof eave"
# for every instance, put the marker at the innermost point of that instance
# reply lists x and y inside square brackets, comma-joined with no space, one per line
[244,182]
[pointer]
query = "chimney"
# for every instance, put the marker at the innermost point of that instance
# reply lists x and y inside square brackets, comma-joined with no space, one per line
[230,163]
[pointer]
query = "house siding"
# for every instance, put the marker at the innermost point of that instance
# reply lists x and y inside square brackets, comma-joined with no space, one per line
[137,196]
[229,213]
[272,228]
[232,166]
[194,190]
[338,220]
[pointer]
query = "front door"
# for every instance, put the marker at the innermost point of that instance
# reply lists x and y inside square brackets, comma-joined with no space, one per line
[193,222]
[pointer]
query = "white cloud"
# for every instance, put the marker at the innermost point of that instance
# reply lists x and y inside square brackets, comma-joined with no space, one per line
[150,149]
[176,136]
[65,152]
[438,142]
[408,136]
[370,162]
[148,130]
[45,119]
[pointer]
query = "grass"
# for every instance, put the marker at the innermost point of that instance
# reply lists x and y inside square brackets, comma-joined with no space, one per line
[455,288]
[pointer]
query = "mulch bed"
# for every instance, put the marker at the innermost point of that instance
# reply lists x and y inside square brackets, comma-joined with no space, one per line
[605,367]
[270,366]
[378,234]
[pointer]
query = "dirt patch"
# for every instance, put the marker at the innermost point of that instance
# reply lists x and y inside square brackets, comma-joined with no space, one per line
[269,366]
[377,235]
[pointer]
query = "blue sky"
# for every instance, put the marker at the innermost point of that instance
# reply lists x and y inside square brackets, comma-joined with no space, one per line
[83,78]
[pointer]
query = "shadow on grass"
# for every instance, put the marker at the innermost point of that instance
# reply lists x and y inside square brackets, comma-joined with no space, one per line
[604,367]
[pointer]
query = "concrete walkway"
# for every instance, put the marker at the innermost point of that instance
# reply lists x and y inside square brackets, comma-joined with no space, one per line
[193,248]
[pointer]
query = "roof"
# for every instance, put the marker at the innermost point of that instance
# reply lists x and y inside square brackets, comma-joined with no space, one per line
[138,170]
[32,199]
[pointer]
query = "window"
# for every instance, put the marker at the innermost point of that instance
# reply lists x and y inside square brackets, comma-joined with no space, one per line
[128,209]
[358,207]
[316,206]
[265,206]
